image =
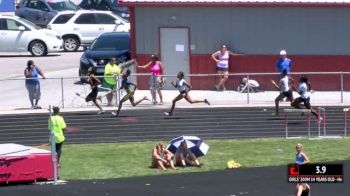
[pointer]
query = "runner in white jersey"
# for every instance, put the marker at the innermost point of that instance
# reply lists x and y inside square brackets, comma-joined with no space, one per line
[285,91]
[304,92]
[183,88]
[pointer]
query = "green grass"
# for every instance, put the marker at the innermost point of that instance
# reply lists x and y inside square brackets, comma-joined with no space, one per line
[117,160]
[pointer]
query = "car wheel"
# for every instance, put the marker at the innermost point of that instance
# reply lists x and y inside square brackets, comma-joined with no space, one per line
[71,44]
[37,48]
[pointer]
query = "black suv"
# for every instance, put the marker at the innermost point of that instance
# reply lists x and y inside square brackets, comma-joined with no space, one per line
[111,5]
[105,47]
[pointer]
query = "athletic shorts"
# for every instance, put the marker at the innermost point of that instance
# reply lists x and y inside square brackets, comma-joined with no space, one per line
[305,101]
[183,92]
[129,95]
[288,94]
[92,95]
[221,69]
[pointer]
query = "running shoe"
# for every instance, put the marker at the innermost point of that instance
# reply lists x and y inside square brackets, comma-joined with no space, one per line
[217,87]
[114,114]
[320,119]
[274,114]
[206,101]
[100,112]
[167,114]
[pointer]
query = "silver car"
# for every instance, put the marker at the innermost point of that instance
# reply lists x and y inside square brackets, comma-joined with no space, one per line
[40,12]
[19,35]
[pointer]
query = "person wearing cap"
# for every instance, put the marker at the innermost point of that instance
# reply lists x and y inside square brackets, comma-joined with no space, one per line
[109,80]
[221,58]
[156,81]
[284,63]
[58,126]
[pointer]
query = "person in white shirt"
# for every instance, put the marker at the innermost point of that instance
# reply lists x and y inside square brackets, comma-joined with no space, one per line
[304,92]
[285,89]
[251,85]
[183,88]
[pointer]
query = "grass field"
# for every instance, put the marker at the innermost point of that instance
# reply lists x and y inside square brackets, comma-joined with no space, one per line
[117,160]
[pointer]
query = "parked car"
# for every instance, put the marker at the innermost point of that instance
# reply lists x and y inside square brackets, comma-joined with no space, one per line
[111,5]
[83,26]
[20,35]
[40,12]
[105,47]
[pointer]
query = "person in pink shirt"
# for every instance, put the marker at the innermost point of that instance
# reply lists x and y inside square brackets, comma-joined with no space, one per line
[156,80]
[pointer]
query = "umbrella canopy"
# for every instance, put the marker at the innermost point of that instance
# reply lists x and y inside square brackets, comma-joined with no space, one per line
[194,143]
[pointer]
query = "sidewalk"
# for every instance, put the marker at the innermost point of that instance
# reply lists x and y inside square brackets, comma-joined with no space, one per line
[217,99]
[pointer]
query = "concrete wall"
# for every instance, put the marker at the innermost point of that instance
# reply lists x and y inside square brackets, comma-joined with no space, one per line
[251,30]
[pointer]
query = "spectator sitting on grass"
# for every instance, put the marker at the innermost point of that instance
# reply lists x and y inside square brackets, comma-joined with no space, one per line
[184,156]
[161,157]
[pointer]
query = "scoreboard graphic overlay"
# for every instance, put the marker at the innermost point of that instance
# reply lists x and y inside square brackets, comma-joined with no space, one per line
[316,173]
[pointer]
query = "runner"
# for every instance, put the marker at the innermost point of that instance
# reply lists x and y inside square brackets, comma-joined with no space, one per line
[303,90]
[130,89]
[183,88]
[286,91]
[92,96]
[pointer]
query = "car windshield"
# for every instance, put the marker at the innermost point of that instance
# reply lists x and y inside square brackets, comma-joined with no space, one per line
[110,44]
[120,18]
[61,5]
[29,24]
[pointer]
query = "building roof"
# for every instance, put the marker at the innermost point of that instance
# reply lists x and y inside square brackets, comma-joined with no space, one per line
[234,2]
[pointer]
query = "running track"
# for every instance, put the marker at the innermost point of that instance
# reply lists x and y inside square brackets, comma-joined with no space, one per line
[151,124]
[143,125]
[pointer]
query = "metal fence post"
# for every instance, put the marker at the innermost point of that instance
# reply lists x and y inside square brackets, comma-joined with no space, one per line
[248,89]
[118,93]
[62,93]
[341,87]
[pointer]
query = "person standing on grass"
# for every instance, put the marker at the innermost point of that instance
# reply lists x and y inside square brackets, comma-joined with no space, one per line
[156,81]
[31,74]
[58,126]
[92,96]
[221,58]
[183,88]
[130,89]
[109,80]
[285,89]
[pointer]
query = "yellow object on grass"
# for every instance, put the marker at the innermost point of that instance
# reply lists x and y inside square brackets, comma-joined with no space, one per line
[232,164]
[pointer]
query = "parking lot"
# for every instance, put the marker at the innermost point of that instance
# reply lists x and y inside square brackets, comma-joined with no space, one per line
[54,65]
